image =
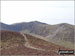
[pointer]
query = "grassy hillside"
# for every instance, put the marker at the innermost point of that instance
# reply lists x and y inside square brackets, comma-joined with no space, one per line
[14,43]
[41,43]
[59,32]
[10,39]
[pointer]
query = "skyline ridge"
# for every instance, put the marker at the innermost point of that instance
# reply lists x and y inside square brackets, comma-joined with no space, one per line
[36,22]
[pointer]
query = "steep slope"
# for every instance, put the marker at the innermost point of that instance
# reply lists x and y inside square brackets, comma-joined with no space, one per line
[66,32]
[36,27]
[13,43]
[42,43]
[64,35]
[11,39]
[7,27]
[63,32]
[3,26]
[32,27]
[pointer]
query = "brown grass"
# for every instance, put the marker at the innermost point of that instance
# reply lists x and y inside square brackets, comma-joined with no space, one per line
[40,43]
[13,44]
[10,39]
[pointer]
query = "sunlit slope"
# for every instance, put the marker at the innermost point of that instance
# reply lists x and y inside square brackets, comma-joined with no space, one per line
[43,44]
[58,32]
[14,43]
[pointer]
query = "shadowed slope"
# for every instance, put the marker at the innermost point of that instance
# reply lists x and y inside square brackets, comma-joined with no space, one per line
[10,39]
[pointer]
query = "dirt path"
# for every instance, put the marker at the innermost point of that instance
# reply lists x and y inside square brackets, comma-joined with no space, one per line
[27,44]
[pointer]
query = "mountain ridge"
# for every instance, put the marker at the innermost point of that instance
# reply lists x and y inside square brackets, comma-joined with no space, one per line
[59,32]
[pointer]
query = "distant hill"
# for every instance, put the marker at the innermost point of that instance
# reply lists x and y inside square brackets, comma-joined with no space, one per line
[7,27]
[63,32]
[59,32]
[20,26]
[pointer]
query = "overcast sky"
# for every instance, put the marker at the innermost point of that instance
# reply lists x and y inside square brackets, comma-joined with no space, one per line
[50,12]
